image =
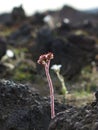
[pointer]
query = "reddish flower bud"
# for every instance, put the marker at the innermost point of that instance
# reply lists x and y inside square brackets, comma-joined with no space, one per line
[50,56]
[45,58]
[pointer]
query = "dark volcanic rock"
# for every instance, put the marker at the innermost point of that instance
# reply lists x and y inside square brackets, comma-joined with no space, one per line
[21,36]
[3,47]
[24,30]
[64,27]
[73,54]
[74,15]
[96,95]
[18,14]
[84,118]
[84,42]
[22,108]
[44,36]
[6,19]
[87,24]
[37,19]
[43,42]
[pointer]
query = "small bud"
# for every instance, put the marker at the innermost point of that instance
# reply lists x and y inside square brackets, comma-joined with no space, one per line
[45,58]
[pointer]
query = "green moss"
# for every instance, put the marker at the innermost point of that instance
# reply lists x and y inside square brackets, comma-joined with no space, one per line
[81,93]
[24,72]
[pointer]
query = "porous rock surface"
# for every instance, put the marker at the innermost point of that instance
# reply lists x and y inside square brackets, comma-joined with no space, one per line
[84,118]
[22,108]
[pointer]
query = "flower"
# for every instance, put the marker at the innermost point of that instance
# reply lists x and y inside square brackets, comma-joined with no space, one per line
[45,58]
[56,67]
[10,53]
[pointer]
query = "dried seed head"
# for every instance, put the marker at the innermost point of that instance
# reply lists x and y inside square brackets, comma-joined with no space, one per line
[45,58]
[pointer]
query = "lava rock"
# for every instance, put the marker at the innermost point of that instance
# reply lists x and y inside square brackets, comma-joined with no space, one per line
[83,118]
[18,14]
[3,47]
[96,95]
[37,19]
[6,19]
[22,107]
[84,42]
[21,36]
[73,54]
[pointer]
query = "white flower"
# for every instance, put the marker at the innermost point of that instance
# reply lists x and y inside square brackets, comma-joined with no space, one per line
[47,18]
[56,67]
[10,53]
[66,20]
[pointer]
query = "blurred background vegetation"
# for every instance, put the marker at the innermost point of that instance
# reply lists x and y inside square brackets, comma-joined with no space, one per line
[71,34]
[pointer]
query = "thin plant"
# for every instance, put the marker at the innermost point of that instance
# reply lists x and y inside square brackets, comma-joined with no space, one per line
[56,69]
[45,61]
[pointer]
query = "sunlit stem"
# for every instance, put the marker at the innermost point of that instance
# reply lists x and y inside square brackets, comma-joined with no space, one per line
[61,78]
[51,90]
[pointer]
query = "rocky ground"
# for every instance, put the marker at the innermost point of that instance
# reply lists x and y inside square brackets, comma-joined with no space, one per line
[83,118]
[22,108]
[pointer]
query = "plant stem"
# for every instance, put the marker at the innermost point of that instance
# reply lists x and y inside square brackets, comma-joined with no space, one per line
[51,90]
[61,78]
